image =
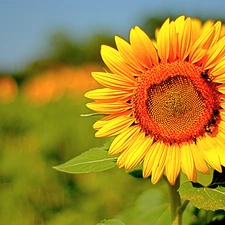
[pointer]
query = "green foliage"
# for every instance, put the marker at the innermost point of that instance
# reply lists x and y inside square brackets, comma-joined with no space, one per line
[136,173]
[33,140]
[151,208]
[94,160]
[203,197]
[209,197]
[111,222]
[152,23]
[67,50]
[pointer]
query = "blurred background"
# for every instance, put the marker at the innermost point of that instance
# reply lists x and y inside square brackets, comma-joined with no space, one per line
[47,51]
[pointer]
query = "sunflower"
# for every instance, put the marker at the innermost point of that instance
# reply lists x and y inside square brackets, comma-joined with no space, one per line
[163,99]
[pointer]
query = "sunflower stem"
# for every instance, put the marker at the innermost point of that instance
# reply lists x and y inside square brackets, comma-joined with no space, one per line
[175,203]
[183,206]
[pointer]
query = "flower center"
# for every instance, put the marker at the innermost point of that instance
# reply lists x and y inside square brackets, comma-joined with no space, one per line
[174,103]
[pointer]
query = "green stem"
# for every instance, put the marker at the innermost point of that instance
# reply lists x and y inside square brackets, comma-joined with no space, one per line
[175,203]
[183,206]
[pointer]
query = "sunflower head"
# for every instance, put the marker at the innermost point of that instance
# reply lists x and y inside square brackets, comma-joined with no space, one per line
[164,99]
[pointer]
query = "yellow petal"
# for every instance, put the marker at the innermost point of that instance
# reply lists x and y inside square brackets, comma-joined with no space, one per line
[199,48]
[163,41]
[222,89]
[184,39]
[124,155]
[196,28]
[199,160]
[222,123]
[179,22]
[100,123]
[107,94]
[115,62]
[143,47]
[222,104]
[215,54]
[173,163]
[218,143]
[173,42]
[159,163]
[126,52]
[150,159]
[218,27]
[124,140]
[219,71]
[115,126]
[208,152]
[113,81]
[137,152]
[187,162]
[206,26]
[108,108]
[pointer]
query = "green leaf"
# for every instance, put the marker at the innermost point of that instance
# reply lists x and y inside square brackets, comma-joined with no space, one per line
[136,173]
[111,222]
[94,160]
[152,208]
[203,197]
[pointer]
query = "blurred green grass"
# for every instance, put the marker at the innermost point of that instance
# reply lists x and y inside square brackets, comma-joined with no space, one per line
[33,139]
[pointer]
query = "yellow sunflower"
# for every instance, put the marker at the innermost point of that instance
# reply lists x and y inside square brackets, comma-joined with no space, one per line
[164,99]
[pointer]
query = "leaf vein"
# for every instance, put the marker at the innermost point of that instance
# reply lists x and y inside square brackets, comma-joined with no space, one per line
[88,162]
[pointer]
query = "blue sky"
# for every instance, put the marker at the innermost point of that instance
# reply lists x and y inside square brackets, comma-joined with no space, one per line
[26,24]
